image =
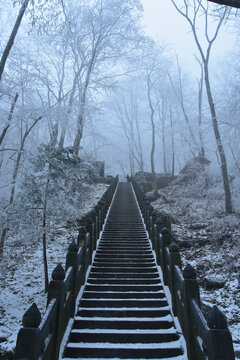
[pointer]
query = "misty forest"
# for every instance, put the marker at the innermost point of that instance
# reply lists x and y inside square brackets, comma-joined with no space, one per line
[86,94]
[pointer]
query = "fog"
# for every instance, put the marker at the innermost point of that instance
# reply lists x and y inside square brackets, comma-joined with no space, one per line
[123,84]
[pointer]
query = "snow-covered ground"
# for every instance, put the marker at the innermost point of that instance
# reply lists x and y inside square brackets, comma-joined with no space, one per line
[22,274]
[198,214]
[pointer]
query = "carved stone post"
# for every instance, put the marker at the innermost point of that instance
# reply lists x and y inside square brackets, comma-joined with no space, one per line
[174,259]
[97,221]
[72,260]
[81,243]
[154,217]
[57,290]
[94,219]
[157,229]
[165,239]
[89,225]
[191,291]
[100,204]
[219,340]
[29,337]
[149,213]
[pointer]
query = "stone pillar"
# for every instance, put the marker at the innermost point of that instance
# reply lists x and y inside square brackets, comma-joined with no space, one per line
[28,344]
[219,340]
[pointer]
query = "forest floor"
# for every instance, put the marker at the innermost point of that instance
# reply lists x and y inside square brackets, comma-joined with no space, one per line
[22,275]
[210,242]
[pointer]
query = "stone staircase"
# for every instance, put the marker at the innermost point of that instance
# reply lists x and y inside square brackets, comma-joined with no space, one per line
[123,312]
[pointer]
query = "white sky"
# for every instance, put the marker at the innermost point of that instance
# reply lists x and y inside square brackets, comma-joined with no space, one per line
[162,21]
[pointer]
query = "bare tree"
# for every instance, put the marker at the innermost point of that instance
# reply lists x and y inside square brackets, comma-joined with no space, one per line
[11,39]
[152,111]
[200,98]
[178,90]
[10,115]
[126,110]
[191,14]
[172,141]
[107,32]
[27,131]
[162,114]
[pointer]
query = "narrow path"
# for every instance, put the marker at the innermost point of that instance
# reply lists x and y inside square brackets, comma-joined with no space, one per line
[123,312]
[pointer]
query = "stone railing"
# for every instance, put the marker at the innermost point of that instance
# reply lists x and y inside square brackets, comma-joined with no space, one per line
[206,338]
[41,337]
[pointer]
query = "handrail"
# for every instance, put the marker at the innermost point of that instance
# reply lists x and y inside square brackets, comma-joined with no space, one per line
[41,338]
[205,338]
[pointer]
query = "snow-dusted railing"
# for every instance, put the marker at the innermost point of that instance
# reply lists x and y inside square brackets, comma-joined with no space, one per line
[41,337]
[206,338]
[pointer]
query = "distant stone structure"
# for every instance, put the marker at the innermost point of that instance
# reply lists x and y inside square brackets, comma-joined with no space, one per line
[99,165]
[145,180]
[192,169]
[195,165]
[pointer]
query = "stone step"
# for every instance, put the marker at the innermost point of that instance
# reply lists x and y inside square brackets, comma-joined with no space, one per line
[124,264]
[105,256]
[163,322]
[127,288]
[125,312]
[131,303]
[124,351]
[123,336]
[116,269]
[123,295]
[117,275]
[123,281]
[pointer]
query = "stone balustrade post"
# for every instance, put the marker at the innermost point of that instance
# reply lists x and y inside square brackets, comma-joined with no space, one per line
[89,226]
[94,219]
[57,290]
[157,230]
[28,344]
[174,259]
[149,213]
[190,291]
[72,260]
[154,217]
[219,340]
[100,204]
[97,210]
[164,240]
[81,243]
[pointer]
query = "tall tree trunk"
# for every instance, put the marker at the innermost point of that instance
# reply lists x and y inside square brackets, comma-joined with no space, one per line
[10,115]
[14,177]
[162,118]
[228,198]
[173,145]
[234,157]
[69,110]
[200,95]
[179,95]
[80,120]
[12,37]
[54,134]
[153,142]
[44,237]
[79,134]
[139,142]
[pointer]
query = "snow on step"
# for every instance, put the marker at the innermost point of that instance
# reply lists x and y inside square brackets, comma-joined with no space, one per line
[163,308]
[170,330]
[171,345]
[181,357]
[128,319]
